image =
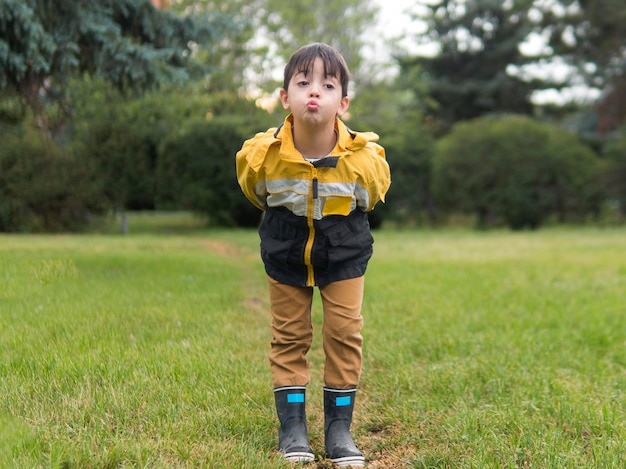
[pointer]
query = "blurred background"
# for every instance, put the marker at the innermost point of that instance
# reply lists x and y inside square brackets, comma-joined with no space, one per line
[493,113]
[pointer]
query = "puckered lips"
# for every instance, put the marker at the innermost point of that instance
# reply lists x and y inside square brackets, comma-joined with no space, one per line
[312,105]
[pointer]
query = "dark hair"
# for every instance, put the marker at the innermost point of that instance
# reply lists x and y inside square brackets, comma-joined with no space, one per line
[334,64]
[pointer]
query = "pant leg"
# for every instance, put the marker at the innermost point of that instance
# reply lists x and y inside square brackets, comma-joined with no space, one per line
[292,333]
[342,338]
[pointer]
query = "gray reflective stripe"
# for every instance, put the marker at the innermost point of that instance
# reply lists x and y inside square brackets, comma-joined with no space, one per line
[362,196]
[342,189]
[260,191]
[294,195]
[289,193]
[296,203]
[300,186]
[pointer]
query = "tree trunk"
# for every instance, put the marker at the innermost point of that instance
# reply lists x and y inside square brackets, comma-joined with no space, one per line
[124,223]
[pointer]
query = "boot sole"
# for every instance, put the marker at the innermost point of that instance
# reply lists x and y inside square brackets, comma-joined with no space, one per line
[354,461]
[299,457]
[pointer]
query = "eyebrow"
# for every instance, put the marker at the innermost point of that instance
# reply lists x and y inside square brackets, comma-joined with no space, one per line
[307,71]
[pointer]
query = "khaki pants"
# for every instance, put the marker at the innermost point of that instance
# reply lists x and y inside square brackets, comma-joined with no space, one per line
[292,333]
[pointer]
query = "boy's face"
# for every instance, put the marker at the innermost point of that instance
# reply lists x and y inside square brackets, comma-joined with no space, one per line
[314,98]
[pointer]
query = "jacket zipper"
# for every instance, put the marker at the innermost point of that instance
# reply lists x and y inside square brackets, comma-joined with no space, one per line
[308,248]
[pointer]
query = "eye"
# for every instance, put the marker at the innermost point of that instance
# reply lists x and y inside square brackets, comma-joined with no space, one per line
[329,86]
[302,83]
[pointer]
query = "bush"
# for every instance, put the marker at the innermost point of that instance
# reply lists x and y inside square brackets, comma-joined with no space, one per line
[516,170]
[124,135]
[43,187]
[196,171]
[394,114]
[125,155]
[409,156]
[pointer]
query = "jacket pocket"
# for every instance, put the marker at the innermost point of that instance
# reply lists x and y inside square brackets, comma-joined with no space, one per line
[350,240]
[337,206]
[275,250]
[279,239]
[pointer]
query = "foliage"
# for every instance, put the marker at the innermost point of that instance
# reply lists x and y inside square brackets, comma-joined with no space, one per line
[515,169]
[611,108]
[125,157]
[394,115]
[409,200]
[251,56]
[484,64]
[196,171]
[285,26]
[595,47]
[228,58]
[130,43]
[478,41]
[84,68]
[595,35]
[12,113]
[122,136]
[44,187]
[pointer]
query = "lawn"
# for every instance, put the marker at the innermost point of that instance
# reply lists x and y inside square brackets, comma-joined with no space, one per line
[482,350]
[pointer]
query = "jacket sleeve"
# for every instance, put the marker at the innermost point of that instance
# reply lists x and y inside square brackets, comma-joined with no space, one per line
[249,162]
[379,177]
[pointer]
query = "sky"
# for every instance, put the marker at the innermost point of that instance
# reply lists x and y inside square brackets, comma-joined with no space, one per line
[392,14]
[395,20]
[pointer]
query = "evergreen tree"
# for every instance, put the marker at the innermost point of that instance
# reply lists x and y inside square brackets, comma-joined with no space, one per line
[598,49]
[482,66]
[228,58]
[130,43]
[478,41]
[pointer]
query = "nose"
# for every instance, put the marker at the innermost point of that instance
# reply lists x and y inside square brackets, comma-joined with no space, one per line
[314,91]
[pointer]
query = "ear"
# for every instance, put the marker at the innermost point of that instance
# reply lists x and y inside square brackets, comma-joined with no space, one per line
[284,98]
[344,105]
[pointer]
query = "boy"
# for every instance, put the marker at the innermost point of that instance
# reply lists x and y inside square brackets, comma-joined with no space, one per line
[316,180]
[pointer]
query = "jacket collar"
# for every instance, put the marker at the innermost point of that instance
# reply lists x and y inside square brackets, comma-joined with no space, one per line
[347,141]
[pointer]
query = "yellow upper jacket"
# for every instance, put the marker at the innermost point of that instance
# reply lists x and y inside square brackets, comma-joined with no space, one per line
[315,229]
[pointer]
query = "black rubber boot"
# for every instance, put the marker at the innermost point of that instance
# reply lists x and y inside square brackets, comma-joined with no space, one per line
[338,407]
[293,441]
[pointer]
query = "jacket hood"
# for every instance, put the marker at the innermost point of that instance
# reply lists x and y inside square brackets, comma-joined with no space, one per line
[348,141]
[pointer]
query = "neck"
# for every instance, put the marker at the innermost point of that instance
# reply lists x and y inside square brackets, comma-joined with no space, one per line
[315,142]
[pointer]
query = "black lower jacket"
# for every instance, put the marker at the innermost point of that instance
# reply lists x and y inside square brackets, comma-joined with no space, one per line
[334,248]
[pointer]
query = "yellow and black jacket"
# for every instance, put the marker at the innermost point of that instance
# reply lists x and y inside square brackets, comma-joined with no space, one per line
[315,229]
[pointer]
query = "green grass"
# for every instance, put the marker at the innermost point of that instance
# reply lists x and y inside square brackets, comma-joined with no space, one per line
[482,350]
